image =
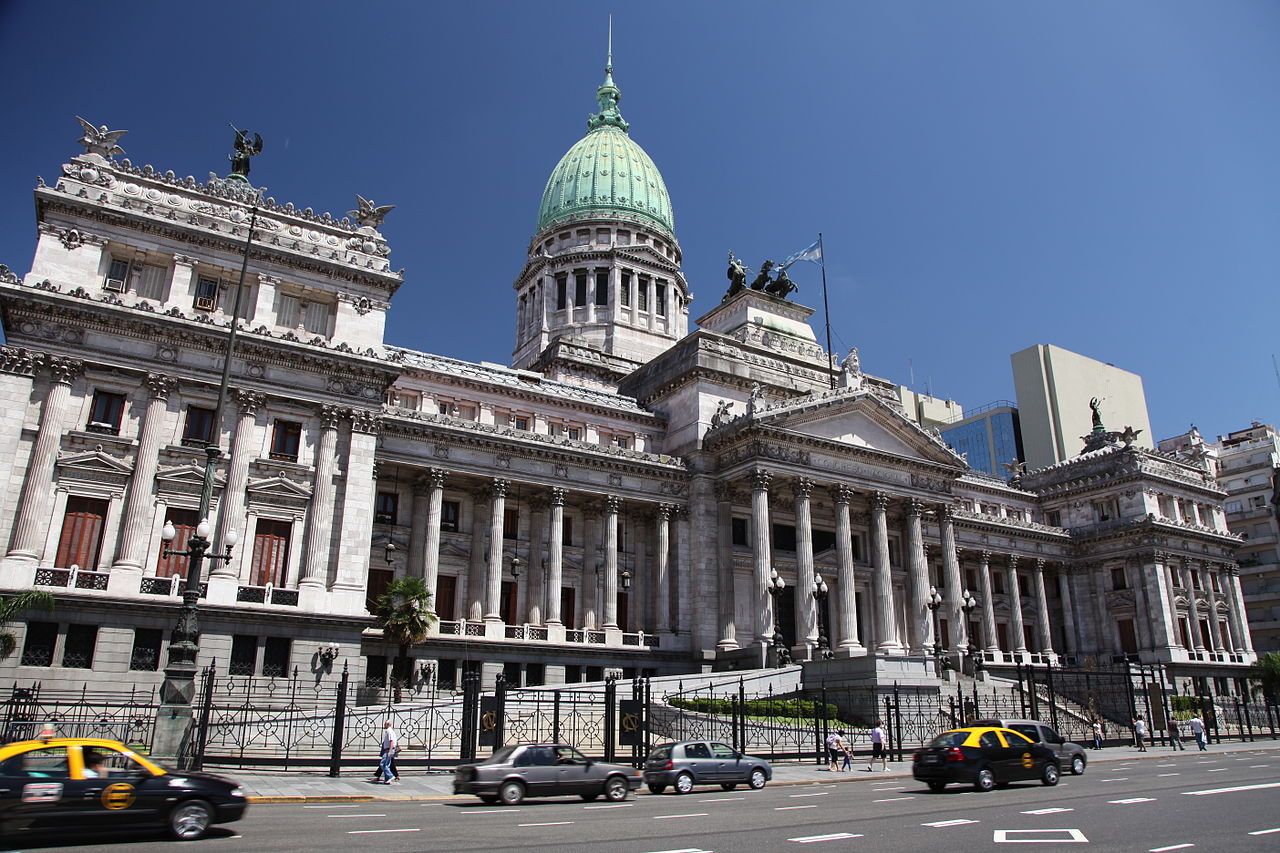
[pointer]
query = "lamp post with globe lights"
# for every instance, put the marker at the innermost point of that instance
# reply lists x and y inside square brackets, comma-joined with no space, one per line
[776,585]
[934,602]
[968,603]
[819,594]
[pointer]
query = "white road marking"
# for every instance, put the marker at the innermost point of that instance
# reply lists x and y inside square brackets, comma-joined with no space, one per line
[823,794]
[355,815]
[1233,790]
[1166,765]
[941,824]
[792,808]
[683,850]
[722,800]
[490,811]
[893,788]
[669,816]
[549,823]
[1002,836]
[813,839]
[372,831]
[1168,774]
[1253,766]
[1265,831]
[612,806]
[1133,800]
[1217,770]
[892,799]
[1054,810]
[1121,779]
[1170,847]
[333,806]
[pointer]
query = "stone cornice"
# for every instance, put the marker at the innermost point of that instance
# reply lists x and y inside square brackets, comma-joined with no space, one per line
[1008,526]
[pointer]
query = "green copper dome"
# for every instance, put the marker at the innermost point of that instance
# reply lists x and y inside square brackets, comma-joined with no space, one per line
[606,174]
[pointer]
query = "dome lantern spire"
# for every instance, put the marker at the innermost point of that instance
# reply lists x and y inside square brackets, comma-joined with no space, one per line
[608,96]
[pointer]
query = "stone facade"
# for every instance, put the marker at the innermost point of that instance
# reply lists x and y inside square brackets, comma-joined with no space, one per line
[664,511]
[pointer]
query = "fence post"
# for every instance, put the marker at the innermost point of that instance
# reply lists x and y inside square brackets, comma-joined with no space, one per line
[1053,702]
[1128,689]
[610,719]
[206,707]
[742,716]
[555,717]
[1022,696]
[820,724]
[470,715]
[647,698]
[500,712]
[897,719]
[339,725]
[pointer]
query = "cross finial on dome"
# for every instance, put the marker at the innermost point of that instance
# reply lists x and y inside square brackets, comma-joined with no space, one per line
[607,96]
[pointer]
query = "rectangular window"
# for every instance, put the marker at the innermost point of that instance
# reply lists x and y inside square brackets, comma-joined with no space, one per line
[106,412]
[1117,578]
[642,294]
[784,537]
[566,529]
[286,436]
[315,317]
[573,432]
[117,276]
[823,540]
[386,507]
[379,580]
[624,238]
[446,674]
[738,526]
[997,582]
[275,657]
[153,283]
[81,541]
[206,293]
[184,523]
[511,524]
[534,674]
[78,651]
[1053,518]
[270,552]
[562,286]
[602,287]
[244,655]
[449,516]
[446,597]
[579,288]
[621,441]
[522,424]
[146,649]
[37,648]
[624,290]
[660,298]
[507,603]
[568,611]
[375,671]
[198,430]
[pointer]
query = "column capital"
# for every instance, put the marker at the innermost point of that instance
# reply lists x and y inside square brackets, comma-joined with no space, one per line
[160,386]
[916,508]
[65,370]
[760,479]
[249,401]
[984,557]
[21,361]
[612,504]
[185,260]
[841,494]
[802,487]
[364,421]
[945,511]
[432,478]
[1040,561]
[555,496]
[498,488]
[665,511]
[329,416]
[879,501]
[1013,562]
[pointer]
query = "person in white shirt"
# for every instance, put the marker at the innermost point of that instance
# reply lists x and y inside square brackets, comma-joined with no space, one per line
[387,756]
[1197,729]
[878,747]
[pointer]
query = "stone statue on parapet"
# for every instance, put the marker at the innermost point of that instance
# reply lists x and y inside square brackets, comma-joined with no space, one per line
[1016,468]
[1129,435]
[737,278]
[367,214]
[99,140]
[1095,406]
[722,415]
[781,285]
[244,150]
[851,371]
[762,279]
[756,398]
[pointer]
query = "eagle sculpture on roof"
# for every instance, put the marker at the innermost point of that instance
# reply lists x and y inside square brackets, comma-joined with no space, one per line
[368,214]
[99,140]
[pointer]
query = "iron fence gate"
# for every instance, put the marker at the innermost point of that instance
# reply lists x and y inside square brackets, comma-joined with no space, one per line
[129,717]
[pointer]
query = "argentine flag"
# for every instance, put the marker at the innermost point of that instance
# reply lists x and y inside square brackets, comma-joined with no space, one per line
[813,253]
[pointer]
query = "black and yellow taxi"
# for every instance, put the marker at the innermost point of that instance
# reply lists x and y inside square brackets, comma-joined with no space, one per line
[95,785]
[985,757]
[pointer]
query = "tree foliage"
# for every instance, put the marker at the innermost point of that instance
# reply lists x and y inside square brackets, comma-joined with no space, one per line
[1267,672]
[15,605]
[404,614]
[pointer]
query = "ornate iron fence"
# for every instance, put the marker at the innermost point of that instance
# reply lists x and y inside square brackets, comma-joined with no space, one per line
[129,717]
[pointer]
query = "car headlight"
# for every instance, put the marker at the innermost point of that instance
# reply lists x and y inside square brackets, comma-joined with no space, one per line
[237,792]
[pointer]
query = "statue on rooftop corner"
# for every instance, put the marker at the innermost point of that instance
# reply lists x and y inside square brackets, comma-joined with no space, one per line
[368,214]
[1095,406]
[737,277]
[99,140]
[762,278]
[781,285]
[244,150]
[851,371]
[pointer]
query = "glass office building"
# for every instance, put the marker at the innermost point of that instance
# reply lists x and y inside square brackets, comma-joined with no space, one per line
[988,437]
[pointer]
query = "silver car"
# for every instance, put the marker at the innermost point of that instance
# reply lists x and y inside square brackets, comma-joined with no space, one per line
[543,770]
[698,762]
[1070,755]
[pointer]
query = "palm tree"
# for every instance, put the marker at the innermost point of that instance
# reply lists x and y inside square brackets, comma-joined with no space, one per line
[404,614]
[13,606]
[1267,671]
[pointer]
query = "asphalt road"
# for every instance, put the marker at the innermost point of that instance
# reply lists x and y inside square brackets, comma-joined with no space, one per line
[1184,801]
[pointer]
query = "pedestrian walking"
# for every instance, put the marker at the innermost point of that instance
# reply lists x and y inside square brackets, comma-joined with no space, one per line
[387,771]
[846,749]
[1140,733]
[878,747]
[833,750]
[1197,728]
[1175,734]
[1097,734]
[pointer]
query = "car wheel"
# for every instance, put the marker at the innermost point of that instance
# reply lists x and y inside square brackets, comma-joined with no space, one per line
[1050,774]
[488,798]
[589,797]
[937,786]
[1077,765]
[615,789]
[511,793]
[986,780]
[756,780]
[189,819]
[728,786]
[684,783]
[656,789]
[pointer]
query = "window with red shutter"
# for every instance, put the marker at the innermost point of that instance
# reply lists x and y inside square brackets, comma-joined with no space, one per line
[81,539]
[270,553]
[184,526]
[445,597]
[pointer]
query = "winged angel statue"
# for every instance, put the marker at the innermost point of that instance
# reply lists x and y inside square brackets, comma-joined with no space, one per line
[99,140]
[368,214]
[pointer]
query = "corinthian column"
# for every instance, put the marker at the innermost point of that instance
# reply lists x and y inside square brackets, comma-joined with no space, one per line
[988,602]
[1068,611]
[431,542]
[1193,609]
[806,604]
[918,572]
[882,579]
[33,510]
[231,505]
[139,505]
[1015,606]
[315,559]
[1042,610]
[662,570]
[727,610]
[761,554]
[1235,600]
[847,610]
[555,556]
[537,566]
[610,608]
[493,569]
[951,569]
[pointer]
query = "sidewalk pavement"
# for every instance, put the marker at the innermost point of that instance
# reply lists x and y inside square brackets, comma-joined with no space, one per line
[268,786]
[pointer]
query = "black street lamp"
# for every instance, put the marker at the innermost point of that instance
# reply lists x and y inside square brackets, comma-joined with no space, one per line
[967,604]
[819,594]
[934,603]
[776,585]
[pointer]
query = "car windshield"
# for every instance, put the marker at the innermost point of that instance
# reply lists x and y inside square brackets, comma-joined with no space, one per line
[950,739]
[500,756]
[660,752]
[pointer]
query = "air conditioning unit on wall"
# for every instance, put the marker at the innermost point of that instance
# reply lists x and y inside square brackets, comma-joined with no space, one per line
[116,284]
[204,303]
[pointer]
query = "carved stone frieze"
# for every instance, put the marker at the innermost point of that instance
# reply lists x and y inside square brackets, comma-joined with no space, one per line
[21,361]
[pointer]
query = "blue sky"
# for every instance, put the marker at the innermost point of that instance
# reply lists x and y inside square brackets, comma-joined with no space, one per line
[1104,176]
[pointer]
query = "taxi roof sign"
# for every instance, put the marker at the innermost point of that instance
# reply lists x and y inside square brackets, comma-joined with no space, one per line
[47,732]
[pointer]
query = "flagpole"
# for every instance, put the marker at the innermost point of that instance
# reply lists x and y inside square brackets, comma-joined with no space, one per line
[826,310]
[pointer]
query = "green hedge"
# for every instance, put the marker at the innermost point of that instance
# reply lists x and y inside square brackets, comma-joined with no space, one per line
[802,708]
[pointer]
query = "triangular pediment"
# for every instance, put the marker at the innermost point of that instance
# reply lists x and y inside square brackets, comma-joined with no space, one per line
[278,487]
[185,474]
[95,461]
[861,419]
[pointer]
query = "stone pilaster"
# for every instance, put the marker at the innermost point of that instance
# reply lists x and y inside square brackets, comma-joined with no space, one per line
[662,569]
[609,611]
[476,568]
[348,592]
[1042,609]
[319,528]
[140,503]
[536,600]
[33,510]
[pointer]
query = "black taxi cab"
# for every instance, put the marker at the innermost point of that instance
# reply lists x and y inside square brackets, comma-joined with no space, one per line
[985,757]
[95,785]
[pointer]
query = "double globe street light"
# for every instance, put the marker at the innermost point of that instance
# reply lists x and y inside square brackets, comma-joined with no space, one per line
[819,594]
[776,585]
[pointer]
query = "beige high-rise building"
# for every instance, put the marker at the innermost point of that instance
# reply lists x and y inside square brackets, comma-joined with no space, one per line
[1054,388]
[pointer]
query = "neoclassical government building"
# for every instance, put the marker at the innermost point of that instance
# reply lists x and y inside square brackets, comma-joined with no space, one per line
[627,494]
